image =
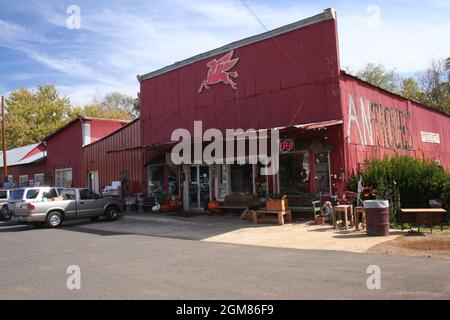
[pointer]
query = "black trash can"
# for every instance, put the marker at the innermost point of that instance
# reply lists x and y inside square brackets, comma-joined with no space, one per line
[377,217]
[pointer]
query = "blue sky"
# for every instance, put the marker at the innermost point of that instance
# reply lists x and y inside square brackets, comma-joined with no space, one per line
[121,39]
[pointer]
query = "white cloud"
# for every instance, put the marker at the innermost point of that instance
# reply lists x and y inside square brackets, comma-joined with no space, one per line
[86,93]
[20,76]
[407,46]
[117,42]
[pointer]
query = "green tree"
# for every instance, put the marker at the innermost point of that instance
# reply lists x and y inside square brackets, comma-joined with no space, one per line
[116,101]
[33,115]
[137,105]
[102,111]
[380,76]
[435,83]
[410,89]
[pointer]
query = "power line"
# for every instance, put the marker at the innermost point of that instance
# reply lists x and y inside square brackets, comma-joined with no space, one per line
[258,19]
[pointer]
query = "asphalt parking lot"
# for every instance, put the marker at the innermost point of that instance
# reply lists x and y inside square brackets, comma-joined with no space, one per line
[118,260]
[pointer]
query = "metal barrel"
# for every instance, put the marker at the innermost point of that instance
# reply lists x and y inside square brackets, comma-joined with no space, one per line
[377,218]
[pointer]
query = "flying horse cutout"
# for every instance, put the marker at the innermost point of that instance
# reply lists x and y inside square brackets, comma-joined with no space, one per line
[219,71]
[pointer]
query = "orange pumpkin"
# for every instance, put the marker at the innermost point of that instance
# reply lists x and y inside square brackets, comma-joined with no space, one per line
[213,206]
[165,208]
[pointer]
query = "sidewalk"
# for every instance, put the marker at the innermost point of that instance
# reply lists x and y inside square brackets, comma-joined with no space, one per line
[231,229]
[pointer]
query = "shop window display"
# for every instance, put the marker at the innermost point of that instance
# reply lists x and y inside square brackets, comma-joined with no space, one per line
[295,172]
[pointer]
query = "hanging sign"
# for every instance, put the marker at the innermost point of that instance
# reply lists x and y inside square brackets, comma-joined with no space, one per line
[219,71]
[430,137]
[287,146]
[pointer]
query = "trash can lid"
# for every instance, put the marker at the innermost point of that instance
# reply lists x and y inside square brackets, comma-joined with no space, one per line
[376,204]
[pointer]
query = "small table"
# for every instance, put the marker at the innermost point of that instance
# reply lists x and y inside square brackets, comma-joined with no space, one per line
[347,210]
[425,216]
[357,211]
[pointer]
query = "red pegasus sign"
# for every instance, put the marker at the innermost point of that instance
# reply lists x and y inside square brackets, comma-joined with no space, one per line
[219,71]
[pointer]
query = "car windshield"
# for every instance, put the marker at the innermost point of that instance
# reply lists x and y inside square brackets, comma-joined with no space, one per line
[17,195]
[3,194]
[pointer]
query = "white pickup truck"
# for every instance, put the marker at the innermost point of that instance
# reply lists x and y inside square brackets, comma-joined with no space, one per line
[51,206]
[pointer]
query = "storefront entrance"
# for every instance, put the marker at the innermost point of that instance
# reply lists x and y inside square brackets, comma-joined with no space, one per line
[199,187]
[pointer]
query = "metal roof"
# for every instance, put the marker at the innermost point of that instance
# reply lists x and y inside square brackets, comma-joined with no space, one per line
[16,156]
[327,14]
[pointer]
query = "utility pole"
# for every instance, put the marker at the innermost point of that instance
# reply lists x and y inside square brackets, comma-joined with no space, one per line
[5,165]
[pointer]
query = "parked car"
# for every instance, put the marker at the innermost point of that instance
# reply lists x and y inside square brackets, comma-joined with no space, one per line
[4,212]
[51,206]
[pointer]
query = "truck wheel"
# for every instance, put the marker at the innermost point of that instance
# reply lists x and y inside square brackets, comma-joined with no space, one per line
[54,220]
[4,214]
[112,213]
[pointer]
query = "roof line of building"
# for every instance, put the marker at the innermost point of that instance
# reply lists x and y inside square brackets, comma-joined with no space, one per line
[394,94]
[78,118]
[327,14]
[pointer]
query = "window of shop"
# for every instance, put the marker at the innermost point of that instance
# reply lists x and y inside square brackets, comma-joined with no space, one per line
[241,178]
[39,179]
[295,172]
[63,178]
[222,182]
[261,183]
[173,182]
[156,180]
[23,181]
[322,172]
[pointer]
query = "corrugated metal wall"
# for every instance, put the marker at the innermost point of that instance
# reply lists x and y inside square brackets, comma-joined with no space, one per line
[115,155]
[290,79]
[393,127]
[65,149]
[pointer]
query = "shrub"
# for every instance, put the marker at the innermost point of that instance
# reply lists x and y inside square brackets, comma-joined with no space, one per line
[407,182]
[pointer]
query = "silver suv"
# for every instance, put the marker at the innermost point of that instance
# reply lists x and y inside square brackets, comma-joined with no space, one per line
[51,206]
[4,196]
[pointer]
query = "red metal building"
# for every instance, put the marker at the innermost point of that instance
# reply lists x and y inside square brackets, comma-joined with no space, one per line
[62,151]
[116,157]
[288,78]
[25,164]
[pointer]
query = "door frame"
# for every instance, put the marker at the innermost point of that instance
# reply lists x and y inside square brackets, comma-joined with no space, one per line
[96,186]
[199,206]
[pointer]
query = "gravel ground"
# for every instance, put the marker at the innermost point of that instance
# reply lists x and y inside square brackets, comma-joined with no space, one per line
[418,244]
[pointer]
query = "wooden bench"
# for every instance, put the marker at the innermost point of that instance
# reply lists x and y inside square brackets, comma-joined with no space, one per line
[238,202]
[306,203]
[280,214]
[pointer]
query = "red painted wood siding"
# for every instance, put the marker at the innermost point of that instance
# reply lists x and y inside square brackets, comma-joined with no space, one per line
[290,79]
[104,156]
